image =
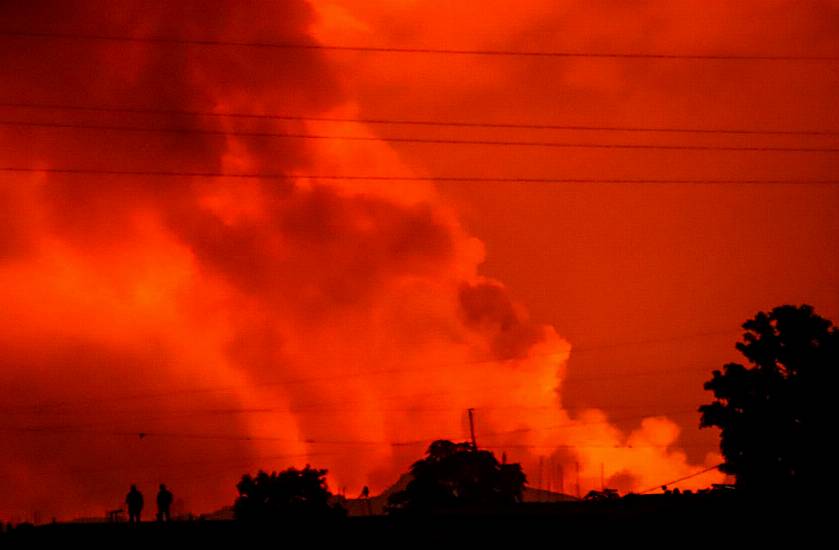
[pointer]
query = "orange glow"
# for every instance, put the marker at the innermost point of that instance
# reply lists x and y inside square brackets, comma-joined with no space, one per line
[247,323]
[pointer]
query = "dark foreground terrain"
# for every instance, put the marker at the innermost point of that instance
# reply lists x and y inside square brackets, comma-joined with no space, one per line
[658,522]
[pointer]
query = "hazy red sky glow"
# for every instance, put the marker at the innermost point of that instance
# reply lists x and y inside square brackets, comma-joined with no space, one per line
[263,322]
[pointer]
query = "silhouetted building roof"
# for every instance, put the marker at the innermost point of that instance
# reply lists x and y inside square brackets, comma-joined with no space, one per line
[377,503]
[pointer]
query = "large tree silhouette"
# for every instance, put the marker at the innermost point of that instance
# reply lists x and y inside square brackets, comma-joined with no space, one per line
[291,493]
[455,475]
[776,414]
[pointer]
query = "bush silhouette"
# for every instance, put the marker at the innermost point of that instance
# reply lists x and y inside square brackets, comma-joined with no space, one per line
[455,475]
[775,415]
[291,493]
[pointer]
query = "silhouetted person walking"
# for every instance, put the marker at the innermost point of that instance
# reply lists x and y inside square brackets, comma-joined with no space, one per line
[164,503]
[134,501]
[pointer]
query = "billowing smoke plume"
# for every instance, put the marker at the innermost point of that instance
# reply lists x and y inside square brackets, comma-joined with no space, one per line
[185,329]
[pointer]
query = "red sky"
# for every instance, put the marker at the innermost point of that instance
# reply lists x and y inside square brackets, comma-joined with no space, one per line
[618,264]
[580,320]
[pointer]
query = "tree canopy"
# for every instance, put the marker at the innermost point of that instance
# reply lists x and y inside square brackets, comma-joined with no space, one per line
[455,475]
[774,415]
[292,492]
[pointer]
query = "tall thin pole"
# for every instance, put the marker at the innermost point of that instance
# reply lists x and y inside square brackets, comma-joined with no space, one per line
[549,474]
[472,428]
[561,479]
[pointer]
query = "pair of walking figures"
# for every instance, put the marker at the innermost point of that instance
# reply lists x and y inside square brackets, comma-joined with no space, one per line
[134,502]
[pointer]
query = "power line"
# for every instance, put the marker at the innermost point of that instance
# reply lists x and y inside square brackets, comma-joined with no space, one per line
[86,429]
[417,50]
[581,424]
[425,141]
[142,435]
[417,122]
[341,408]
[63,407]
[251,461]
[194,391]
[695,474]
[647,341]
[397,178]
[599,446]
[74,430]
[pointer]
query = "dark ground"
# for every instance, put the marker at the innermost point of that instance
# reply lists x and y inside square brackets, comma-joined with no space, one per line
[727,523]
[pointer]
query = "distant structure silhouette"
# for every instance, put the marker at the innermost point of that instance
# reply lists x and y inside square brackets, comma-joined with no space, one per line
[606,495]
[134,502]
[457,475]
[164,504]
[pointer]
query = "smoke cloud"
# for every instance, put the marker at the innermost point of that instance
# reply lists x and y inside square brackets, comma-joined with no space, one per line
[185,330]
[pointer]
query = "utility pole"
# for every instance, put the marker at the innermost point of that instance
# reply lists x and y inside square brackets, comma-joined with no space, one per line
[549,475]
[561,479]
[472,428]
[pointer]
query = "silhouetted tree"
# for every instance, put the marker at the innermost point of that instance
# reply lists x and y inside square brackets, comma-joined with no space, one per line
[290,493]
[454,475]
[776,415]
